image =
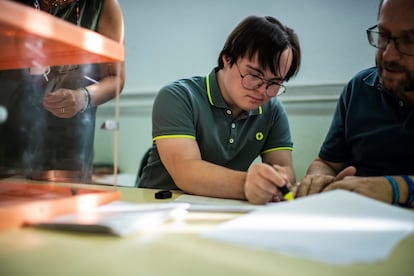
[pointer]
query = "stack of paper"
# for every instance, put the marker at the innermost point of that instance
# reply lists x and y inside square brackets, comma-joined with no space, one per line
[337,227]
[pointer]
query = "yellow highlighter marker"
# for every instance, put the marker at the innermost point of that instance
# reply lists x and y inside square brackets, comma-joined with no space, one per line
[287,194]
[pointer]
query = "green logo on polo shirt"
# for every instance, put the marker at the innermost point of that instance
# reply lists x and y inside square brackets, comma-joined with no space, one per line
[259,136]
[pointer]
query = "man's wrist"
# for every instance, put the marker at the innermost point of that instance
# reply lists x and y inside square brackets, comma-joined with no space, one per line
[408,186]
[87,95]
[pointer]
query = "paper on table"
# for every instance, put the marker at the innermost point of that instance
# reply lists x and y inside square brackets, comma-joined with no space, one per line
[211,204]
[337,227]
[117,218]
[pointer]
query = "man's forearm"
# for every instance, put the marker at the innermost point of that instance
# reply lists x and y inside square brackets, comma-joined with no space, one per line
[320,167]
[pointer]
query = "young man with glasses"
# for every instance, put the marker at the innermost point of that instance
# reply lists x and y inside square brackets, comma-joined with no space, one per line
[207,131]
[372,133]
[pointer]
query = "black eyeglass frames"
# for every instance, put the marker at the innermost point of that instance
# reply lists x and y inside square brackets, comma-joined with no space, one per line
[253,82]
[404,44]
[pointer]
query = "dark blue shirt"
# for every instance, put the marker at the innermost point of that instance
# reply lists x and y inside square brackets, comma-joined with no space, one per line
[372,129]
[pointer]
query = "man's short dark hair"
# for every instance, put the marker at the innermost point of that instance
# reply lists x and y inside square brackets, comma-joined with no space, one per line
[267,37]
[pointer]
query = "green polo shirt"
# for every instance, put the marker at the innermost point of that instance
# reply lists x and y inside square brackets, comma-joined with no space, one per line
[194,108]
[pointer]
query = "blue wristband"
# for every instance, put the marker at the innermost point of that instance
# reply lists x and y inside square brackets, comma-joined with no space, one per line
[410,191]
[395,190]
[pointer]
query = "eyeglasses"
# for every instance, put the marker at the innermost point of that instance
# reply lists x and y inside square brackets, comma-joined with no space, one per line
[380,40]
[252,82]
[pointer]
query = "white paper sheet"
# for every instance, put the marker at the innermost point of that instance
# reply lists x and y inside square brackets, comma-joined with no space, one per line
[211,204]
[117,218]
[337,227]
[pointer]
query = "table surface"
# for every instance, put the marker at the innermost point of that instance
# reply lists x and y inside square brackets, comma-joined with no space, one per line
[171,249]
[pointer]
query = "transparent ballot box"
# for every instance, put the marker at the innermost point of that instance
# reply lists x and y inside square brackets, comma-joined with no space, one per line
[41,56]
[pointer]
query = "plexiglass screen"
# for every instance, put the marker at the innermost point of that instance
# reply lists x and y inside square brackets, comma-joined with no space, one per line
[48,121]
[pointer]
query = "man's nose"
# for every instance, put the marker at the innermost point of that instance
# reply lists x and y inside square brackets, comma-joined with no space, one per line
[391,52]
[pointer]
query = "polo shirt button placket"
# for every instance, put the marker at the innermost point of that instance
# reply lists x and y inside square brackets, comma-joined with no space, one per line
[233,126]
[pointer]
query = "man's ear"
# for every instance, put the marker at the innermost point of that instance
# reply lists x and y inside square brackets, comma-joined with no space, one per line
[226,60]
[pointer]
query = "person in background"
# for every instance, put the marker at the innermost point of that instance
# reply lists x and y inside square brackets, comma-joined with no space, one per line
[369,146]
[51,122]
[207,131]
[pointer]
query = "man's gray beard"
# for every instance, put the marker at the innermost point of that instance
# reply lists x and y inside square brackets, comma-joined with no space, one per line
[405,86]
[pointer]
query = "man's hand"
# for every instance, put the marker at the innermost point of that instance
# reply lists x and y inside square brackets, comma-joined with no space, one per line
[316,183]
[262,183]
[373,187]
[64,103]
[312,184]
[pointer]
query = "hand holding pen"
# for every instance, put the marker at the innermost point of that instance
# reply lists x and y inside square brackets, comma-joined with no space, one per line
[286,193]
[265,183]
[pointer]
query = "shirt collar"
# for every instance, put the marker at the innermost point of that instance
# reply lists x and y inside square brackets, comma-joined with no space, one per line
[372,79]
